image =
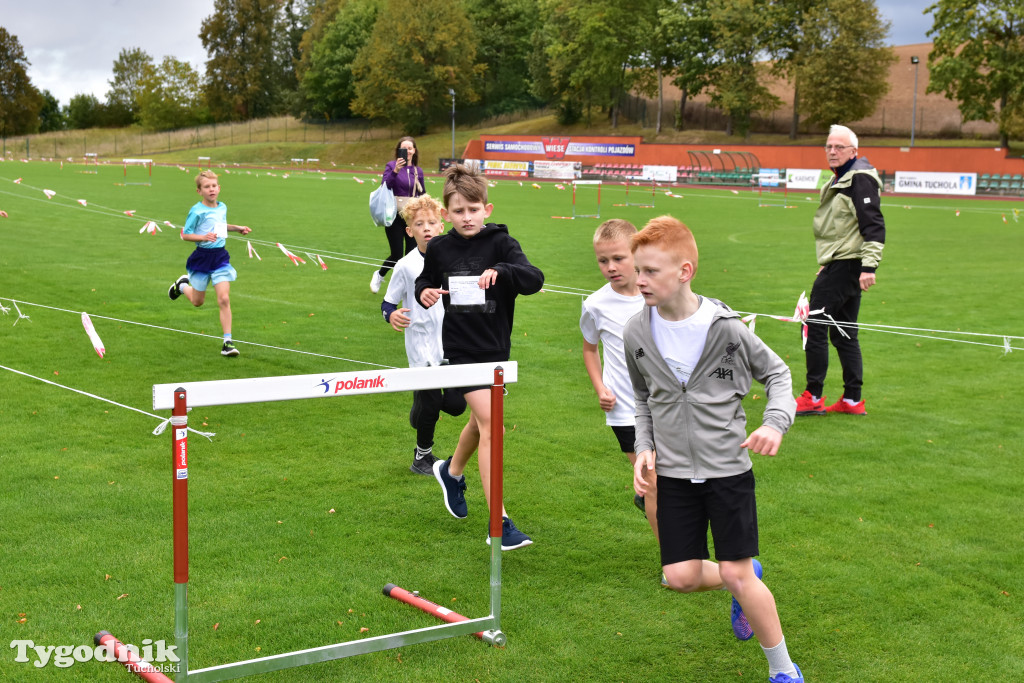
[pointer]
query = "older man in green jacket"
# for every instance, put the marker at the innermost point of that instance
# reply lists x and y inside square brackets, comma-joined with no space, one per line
[849,235]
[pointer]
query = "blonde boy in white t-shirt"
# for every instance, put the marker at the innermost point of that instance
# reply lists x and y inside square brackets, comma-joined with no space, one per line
[605,312]
[422,328]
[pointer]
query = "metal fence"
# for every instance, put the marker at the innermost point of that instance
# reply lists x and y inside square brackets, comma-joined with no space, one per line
[137,142]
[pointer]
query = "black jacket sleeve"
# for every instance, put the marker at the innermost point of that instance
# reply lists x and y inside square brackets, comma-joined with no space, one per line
[522,276]
[866,202]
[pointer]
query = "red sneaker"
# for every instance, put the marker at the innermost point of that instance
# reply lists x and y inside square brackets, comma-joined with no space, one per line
[841,406]
[806,405]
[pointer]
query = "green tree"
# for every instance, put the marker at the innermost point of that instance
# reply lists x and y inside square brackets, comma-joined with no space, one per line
[171,96]
[321,14]
[243,75]
[20,101]
[293,21]
[130,68]
[741,33]
[417,51]
[503,32]
[977,59]
[50,116]
[327,83]
[649,65]
[84,111]
[790,43]
[588,49]
[681,47]
[840,65]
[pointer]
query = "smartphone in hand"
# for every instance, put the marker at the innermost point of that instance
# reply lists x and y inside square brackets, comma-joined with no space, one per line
[403,153]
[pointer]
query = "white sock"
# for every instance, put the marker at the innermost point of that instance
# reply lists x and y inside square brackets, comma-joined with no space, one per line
[423,452]
[778,660]
[850,401]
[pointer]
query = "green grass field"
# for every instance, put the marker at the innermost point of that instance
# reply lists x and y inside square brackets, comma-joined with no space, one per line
[890,541]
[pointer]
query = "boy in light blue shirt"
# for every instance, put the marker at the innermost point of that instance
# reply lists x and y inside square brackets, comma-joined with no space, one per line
[207,225]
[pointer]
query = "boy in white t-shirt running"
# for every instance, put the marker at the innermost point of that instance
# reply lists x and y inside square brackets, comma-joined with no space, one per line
[422,327]
[605,313]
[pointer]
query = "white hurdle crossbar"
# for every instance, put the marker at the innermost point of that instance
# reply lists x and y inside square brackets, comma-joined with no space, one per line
[180,397]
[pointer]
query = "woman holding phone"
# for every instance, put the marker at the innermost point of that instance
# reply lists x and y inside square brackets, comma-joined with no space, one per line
[405,178]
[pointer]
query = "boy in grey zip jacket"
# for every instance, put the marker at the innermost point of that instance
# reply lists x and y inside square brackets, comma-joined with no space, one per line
[691,361]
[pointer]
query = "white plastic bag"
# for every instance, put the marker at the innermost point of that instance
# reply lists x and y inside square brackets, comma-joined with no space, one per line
[383,207]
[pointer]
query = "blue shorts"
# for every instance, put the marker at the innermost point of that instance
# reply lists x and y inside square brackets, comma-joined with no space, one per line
[200,281]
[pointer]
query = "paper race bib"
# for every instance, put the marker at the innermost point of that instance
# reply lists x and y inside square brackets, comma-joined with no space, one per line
[464,290]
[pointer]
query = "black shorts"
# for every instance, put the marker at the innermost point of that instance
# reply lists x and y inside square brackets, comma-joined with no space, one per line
[685,509]
[457,359]
[626,436]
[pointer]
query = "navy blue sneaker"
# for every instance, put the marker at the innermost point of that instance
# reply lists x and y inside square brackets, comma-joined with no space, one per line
[511,536]
[640,503]
[740,626]
[786,678]
[454,491]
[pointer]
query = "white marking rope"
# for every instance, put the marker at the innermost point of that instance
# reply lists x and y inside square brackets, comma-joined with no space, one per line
[157,432]
[196,334]
[893,329]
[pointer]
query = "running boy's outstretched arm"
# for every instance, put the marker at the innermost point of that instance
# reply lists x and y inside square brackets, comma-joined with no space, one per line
[646,456]
[766,367]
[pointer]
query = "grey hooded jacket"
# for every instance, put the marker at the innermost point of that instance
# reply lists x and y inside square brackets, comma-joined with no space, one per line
[696,428]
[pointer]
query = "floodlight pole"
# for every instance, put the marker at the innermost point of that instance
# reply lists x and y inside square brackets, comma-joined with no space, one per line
[913,121]
[451,92]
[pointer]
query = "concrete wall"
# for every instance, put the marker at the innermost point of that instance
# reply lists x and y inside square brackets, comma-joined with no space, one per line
[935,116]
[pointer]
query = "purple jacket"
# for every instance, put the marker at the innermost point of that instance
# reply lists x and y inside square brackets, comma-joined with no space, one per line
[403,182]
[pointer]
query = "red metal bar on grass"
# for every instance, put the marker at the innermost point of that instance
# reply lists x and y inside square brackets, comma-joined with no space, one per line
[140,668]
[442,613]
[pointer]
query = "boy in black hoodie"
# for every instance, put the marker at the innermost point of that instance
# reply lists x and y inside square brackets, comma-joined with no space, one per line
[476,271]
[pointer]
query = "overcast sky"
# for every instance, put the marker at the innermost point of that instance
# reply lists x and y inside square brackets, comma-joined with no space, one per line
[72,44]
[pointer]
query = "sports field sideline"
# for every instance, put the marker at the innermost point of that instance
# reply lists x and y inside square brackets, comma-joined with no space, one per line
[890,541]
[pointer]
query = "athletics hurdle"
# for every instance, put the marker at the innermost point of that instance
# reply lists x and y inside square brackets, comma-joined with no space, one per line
[769,182]
[148,163]
[91,159]
[575,215]
[648,205]
[180,397]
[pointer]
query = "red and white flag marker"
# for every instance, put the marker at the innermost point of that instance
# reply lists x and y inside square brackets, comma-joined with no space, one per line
[295,259]
[97,343]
